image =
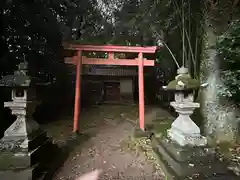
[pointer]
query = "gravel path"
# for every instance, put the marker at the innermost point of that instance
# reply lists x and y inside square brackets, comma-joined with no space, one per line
[103,151]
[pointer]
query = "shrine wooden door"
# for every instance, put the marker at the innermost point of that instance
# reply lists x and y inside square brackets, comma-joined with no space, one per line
[112,91]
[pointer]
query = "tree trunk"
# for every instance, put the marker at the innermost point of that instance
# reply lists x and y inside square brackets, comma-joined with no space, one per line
[219,114]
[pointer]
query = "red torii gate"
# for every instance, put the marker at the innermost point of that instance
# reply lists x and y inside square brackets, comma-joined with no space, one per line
[77,59]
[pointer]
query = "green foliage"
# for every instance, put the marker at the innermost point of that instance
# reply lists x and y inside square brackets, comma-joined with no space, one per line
[30,31]
[229,59]
[189,83]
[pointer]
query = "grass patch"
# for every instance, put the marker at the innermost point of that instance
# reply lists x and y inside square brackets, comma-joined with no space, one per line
[161,127]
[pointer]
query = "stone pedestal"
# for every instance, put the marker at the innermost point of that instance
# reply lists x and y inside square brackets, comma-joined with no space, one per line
[183,130]
[27,159]
[185,162]
[26,153]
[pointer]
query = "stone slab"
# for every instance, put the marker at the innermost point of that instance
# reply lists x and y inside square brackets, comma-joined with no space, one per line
[171,175]
[31,135]
[23,145]
[16,160]
[47,161]
[25,174]
[188,168]
[182,154]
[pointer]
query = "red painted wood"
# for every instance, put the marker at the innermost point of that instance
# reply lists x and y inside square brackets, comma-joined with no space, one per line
[140,62]
[120,62]
[110,56]
[110,48]
[141,90]
[77,92]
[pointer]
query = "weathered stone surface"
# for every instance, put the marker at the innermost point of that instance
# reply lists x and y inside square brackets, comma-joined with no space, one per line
[43,158]
[186,162]
[20,157]
[186,154]
[183,130]
[22,143]
[171,175]
[26,174]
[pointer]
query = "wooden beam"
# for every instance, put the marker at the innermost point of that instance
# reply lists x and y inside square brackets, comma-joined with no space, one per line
[110,48]
[141,91]
[102,61]
[77,92]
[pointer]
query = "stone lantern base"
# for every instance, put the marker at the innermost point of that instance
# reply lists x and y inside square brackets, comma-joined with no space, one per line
[26,153]
[189,163]
[183,130]
[184,154]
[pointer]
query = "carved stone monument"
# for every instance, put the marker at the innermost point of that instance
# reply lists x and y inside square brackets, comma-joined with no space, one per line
[25,150]
[184,152]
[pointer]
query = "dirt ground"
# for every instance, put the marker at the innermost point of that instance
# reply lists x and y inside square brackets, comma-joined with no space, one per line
[109,126]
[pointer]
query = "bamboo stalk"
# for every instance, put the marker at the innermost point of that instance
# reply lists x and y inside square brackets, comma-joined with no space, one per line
[165,44]
[174,58]
[189,32]
[187,36]
[183,35]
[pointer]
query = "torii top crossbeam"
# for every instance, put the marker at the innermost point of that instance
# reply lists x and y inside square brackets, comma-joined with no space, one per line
[110,48]
[77,59]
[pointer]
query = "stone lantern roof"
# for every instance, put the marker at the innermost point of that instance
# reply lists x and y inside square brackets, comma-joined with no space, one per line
[15,81]
[183,81]
[18,79]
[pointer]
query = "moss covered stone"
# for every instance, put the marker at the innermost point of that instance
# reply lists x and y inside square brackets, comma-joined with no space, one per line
[183,82]
[160,129]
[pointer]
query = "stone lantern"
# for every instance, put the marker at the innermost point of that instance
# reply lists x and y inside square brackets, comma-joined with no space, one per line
[183,130]
[184,153]
[22,105]
[24,145]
